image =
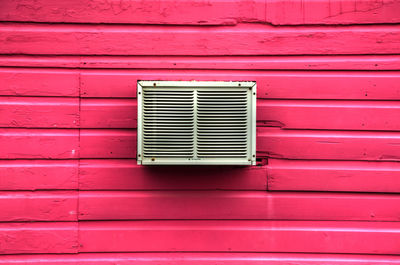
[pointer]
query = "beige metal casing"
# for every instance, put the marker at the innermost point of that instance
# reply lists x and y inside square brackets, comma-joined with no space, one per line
[196,123]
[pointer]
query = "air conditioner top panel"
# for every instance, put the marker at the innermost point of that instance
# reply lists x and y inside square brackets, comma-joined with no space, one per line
[196,123]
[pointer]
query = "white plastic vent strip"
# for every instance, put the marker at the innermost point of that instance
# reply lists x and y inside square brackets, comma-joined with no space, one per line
[198,123]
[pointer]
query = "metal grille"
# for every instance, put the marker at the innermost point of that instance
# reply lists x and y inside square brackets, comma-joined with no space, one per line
[196,122]
[222,123]
[168,123]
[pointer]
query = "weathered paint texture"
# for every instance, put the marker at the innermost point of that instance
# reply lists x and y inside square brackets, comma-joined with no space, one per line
[328,133]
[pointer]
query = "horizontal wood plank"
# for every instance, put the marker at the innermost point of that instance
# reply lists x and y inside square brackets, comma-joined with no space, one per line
[39,143]
[47,112]
[192,12]
[108,113]
[287,12]
[243,39]
[38,82]
[67,143]
[339,62]
[333,175]
[241,236]
[288,114]
[102,143]
[231,205]
[358,85]
[271,142]
[329,114]
[201,259]
[125,174]
[39,237]
[275,84]
[328,145]
[38,174]
[38,206]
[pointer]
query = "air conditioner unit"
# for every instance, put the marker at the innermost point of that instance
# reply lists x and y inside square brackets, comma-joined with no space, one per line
[196,123]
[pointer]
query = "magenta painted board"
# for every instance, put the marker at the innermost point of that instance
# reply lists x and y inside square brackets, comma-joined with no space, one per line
[236,205]
[339,62]
[39,237]
[220,12]
[125,174]
[38,112]
[312,175]
[243,39]
[38,206]
[39,143]
[201,259]
[240,236]
[38,82]
[39,174]
[328,145]
[358,85]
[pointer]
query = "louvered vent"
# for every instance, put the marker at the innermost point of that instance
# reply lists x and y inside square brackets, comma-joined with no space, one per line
[196,122]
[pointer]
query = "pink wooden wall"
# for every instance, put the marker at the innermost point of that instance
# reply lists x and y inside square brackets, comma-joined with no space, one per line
[328,140]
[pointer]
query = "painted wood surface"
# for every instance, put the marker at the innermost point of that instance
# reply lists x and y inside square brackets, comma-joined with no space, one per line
[328,140]
[231,205]
[39,237]
[39,174]
[349,85]
[124,174]
[39,112]
[227,236]
[39,143]
[43,82]
[333,175]
[275,84]
[241,236]
[112,174]
[328,145]
[243,39]
[185,205]
[38,206]
[47,112]
[271,142]
[195,12]
[349,62]
[202,259]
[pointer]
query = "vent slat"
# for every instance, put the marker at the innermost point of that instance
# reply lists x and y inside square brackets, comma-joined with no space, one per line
[171,136]
[214,123]
[165,127]
[169,116]
[160,146]
[222,150]
[222,128]
[223,154]
[159,140]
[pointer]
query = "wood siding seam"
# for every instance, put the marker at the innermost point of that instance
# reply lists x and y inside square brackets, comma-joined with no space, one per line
[315,63]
